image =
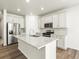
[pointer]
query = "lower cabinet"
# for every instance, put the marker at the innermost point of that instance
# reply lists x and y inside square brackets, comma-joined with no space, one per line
[61,42]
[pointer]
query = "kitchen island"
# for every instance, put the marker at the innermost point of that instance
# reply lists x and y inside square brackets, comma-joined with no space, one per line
[37,47]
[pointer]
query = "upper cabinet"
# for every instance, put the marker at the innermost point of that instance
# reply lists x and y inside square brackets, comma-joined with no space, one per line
[16,19]
[45,19]
[58,20]
[21,21]
[62,20]
[55,21]
[9,18]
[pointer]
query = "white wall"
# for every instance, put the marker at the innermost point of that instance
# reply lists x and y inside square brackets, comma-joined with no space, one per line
[32,26]
[0,28]
[4,27]
[73,27]
[0,24]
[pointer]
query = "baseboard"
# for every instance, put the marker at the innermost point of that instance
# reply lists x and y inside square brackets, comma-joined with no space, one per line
[73,48]
[62,48]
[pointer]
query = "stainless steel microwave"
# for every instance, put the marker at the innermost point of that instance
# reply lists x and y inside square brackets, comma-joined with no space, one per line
[48,25]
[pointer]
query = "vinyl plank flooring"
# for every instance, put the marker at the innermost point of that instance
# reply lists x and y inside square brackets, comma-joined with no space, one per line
[67,54]
[77,55]
[12,52]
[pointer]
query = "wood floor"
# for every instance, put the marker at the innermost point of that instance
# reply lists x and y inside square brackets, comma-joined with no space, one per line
[12,52]
[67,54]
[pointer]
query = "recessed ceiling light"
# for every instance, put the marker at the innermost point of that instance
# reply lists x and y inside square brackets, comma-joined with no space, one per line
[27,1]
[42,8]
[18,9]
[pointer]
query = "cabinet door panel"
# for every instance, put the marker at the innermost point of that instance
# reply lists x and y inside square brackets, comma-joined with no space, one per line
[42,22]
[61,42]
[62,20]
[9,18]
[49,19]
[15,19]
[21,21]
[55,21]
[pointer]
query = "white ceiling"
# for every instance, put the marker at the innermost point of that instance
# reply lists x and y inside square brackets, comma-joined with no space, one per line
[35,5]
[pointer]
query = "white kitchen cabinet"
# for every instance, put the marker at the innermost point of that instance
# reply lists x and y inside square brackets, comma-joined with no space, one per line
[9,18]
[59,24]
[21,21]
[61,42]
[55,21]
[62,20]
[49,19]
[58,20]
[12,18]
[46,19]
[61,36]
[42,22]
[16,19]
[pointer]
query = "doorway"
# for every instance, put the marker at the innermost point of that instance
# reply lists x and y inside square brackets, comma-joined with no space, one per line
[1,30]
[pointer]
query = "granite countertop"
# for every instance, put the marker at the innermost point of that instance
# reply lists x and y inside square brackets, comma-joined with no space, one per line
[37,42]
